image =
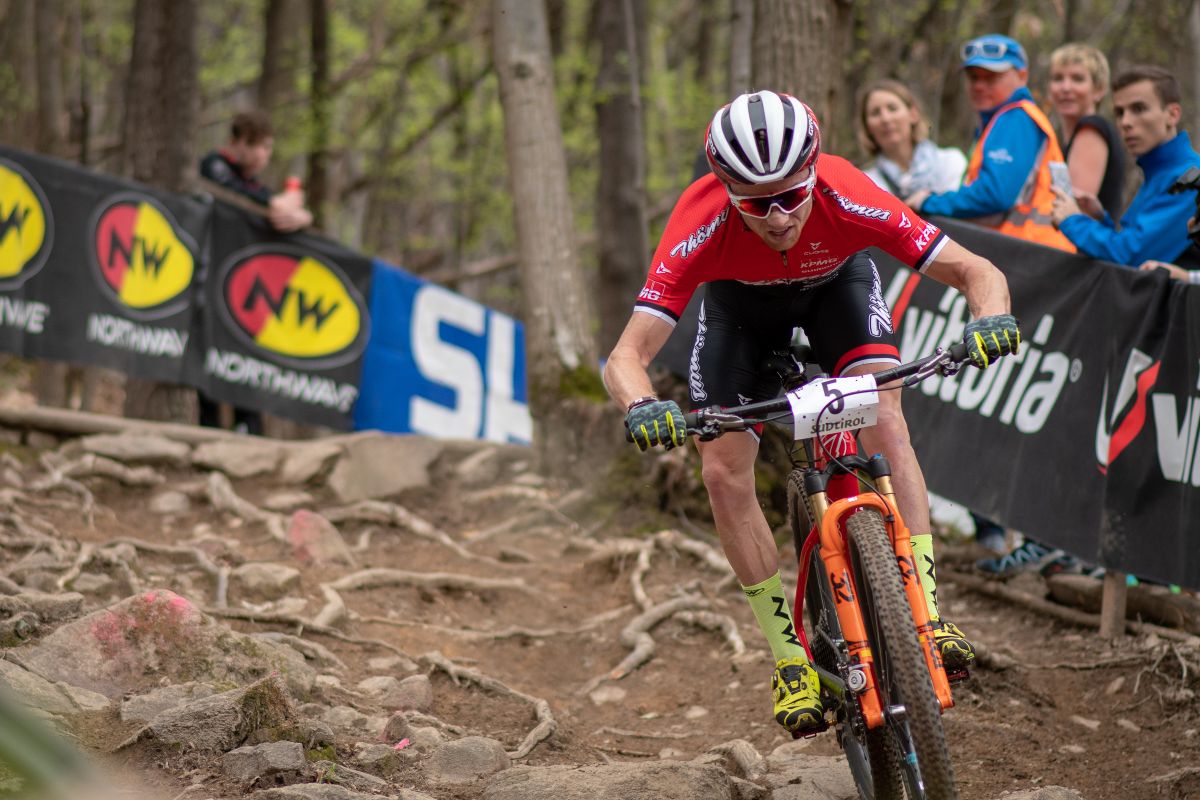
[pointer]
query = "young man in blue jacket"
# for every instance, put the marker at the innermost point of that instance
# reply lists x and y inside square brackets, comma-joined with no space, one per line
[1146,104]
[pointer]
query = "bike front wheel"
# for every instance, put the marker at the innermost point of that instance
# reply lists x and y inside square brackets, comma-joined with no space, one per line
[912,714]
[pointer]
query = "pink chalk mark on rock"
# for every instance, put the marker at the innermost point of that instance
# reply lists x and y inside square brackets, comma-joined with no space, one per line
[403,743]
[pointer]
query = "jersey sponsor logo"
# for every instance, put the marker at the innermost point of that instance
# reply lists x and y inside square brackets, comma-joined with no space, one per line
[695,379]
[26,226]
[1000,155]
[879,319]
[143,258]
[661,269]
[652,291]
[870,212]
[904,221]
[813,246]
[927,233]
[701,235]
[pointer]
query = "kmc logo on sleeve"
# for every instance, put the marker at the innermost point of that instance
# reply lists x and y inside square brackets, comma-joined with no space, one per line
[144,260]
[26,226]
[292,305]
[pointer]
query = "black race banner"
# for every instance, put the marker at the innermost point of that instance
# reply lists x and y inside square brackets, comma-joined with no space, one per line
[189,290]
[1088,439]
[94,270]
[285,320]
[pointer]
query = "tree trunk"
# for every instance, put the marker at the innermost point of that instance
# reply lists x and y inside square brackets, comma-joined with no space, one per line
[561,353]
[741,48]
[318,158]
[621,191]
[158,146]
[52,131]
[280,52]
[18,122]
[799,48]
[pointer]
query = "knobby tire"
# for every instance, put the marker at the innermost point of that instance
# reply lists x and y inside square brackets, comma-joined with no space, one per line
[874,762]
[901,673]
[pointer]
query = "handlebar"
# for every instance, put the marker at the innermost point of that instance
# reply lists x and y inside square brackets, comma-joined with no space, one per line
[713,421]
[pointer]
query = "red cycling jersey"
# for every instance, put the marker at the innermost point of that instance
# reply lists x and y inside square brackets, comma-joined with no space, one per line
[706,239]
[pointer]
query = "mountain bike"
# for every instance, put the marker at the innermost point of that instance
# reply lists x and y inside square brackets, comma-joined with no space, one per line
[883,681]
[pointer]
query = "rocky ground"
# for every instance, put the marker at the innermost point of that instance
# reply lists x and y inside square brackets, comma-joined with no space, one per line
[370,616]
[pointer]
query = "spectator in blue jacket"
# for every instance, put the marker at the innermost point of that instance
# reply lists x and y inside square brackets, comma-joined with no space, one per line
[1007,184]
[1146,104]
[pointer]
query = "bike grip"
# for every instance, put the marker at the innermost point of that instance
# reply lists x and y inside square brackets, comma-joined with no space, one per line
[958,352]
[691,421]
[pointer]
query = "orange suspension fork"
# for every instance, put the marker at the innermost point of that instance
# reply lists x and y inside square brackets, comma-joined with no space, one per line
[833,552]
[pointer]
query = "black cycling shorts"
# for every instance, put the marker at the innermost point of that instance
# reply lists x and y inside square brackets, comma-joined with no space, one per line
[845,318]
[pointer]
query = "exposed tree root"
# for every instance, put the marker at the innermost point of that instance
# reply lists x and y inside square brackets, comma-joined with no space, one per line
[56,479]
[639,734]
[91,465]
[219,574]
[302,626]
[546,724]
[334,610]
[636,635]
[224,498]
[722,623]
[376,578]
[398,516]
[510,632]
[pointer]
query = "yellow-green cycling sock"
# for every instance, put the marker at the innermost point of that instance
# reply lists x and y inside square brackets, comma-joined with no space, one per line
[770,608]
[922,545]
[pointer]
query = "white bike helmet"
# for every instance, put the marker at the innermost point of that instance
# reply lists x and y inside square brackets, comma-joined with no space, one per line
[762,137]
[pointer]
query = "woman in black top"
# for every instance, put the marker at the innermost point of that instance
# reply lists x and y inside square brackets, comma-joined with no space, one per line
[1095,156]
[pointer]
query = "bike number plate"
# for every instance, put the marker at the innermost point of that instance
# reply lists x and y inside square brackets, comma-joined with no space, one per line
[841,404]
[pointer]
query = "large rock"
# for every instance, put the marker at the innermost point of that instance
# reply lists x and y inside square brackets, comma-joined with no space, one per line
[155,638]
[277,763]
[238,459]
[315,540]
[803,776]
[266,581]
[378,465]
[55,698]
[304,462]
[467,759]
[224,721]
[1044,793]
[136,448]
[657,781]
[145,707]
[414,693]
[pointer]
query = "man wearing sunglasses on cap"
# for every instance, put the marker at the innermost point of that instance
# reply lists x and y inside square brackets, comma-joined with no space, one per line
[777,233]
[1008,185]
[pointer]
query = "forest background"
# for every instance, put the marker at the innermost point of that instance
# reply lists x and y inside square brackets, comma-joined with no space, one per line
[522,152]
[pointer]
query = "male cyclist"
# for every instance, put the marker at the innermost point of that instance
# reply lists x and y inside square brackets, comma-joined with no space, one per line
[777,232]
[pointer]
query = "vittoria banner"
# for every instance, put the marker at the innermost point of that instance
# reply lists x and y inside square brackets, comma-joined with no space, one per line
[1089,439]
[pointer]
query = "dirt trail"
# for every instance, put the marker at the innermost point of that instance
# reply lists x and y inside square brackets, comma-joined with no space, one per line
[1108,721]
